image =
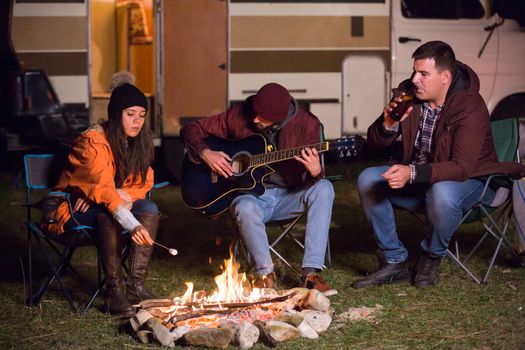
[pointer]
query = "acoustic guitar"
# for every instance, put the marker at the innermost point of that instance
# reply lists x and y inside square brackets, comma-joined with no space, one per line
[210,193]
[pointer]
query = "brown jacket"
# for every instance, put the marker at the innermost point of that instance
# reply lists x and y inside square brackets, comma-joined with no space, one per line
[462,145]
[90,174]
[236,123]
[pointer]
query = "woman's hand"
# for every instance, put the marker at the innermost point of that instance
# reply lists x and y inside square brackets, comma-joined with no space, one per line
[141,236]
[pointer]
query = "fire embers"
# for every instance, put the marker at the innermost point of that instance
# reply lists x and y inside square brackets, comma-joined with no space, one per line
[295,313]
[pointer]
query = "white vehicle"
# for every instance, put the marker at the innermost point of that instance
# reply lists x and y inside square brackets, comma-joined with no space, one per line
[491,45]
[194,58]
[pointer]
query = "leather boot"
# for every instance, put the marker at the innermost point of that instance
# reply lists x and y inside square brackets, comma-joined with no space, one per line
[139,258]
[109,240]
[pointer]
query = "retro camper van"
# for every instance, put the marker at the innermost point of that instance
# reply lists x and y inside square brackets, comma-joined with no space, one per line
[194,58]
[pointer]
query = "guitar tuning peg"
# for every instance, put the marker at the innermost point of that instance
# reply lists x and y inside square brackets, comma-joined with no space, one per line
[340,154]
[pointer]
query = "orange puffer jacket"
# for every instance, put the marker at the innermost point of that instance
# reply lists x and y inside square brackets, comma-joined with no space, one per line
[90,174]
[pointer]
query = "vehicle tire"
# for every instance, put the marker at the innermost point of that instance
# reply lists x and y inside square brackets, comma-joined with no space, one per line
[513,106]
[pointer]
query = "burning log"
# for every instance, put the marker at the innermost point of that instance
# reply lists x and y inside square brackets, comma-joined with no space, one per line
[199,313]
[229,308]
[258,302]
[149,303]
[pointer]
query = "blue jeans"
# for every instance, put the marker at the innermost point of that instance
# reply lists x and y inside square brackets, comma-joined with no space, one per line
[443,202]
[89,218]
[252,213]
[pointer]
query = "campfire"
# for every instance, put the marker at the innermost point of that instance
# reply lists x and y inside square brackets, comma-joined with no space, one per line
[235,313]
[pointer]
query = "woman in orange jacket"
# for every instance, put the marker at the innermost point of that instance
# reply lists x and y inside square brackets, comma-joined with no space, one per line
[107,175]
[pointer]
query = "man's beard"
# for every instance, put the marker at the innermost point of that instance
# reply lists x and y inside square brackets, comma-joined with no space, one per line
[259,127]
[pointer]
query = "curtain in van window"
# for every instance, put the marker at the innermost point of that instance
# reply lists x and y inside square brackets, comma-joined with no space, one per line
[442,9]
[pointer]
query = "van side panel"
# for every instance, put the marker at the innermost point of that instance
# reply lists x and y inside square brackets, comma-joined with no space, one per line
[54,37]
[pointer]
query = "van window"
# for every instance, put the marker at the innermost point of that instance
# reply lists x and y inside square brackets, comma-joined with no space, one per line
[442,9]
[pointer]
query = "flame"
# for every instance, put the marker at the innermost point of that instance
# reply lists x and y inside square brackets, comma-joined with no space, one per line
[232,287]
[188,294]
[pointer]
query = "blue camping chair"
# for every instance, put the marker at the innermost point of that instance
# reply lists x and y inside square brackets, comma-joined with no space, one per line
[41,173]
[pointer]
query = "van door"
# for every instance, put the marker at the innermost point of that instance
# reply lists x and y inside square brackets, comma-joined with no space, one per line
[364,95]
[460,23]
[194,63]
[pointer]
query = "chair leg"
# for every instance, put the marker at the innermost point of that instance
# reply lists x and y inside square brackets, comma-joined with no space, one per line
[238,245]
[460,264]
[285,261]
[287,232]
[55,275]
[29,296]
[328,253]
[100,285]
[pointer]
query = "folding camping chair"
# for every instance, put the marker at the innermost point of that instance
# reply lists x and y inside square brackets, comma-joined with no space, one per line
[494,216]
[287,227]
[41,173]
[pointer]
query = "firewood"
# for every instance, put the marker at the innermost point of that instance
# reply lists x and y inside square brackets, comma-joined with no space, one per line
[228,308]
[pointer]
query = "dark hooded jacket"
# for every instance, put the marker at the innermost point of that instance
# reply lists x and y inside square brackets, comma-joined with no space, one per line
[301,128]
[462,145]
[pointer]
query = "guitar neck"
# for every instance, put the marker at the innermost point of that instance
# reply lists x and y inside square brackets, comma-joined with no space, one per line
[285,154]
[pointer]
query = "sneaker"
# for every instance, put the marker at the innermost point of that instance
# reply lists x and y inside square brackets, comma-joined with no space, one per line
[313,281]
[426,270]
[387,274]
[264,281]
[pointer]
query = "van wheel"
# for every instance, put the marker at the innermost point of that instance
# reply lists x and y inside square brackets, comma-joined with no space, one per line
[510,106]
[173,152]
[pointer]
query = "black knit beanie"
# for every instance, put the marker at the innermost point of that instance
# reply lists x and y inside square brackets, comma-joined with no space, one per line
[272,102]
[125,96]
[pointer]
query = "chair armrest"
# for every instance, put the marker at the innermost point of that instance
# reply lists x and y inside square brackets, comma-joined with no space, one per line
[333,178]
[160,185]
[501,184]
[156,187]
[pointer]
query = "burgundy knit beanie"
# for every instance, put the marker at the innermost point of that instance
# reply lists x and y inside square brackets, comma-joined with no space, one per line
[125,96]
[272,102]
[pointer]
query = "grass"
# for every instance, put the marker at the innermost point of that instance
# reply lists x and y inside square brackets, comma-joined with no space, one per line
[456,314]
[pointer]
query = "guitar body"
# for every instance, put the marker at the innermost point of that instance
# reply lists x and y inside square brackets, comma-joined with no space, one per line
[212,194]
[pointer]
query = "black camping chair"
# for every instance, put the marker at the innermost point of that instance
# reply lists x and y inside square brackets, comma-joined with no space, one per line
[41,173]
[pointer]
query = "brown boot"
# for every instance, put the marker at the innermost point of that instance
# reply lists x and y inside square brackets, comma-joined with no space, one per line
[265,281]
[139,260]
[109,240]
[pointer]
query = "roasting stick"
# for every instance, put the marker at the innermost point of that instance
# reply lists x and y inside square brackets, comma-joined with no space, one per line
[172,251]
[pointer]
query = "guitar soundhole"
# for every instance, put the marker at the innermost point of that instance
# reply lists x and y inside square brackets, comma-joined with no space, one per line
[240,163]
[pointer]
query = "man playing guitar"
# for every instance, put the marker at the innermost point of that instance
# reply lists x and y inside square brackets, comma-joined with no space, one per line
[296,186]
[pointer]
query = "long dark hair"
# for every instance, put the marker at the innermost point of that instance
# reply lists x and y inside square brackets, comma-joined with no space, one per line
[133,155]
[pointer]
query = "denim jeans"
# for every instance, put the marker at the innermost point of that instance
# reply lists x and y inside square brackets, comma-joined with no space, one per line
[89,218]
[252,213]
[443,202]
